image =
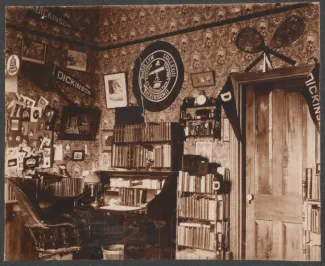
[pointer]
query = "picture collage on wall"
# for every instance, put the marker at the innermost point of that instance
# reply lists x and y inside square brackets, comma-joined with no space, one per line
[29,134]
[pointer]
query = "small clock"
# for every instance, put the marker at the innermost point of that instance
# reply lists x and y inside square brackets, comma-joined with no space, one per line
[201,99]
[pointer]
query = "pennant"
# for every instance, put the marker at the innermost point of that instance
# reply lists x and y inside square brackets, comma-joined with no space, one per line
[51,15]
[228,101]
[62,76]
[311,94]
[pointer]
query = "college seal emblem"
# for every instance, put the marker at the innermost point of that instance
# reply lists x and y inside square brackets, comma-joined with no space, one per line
[158,76]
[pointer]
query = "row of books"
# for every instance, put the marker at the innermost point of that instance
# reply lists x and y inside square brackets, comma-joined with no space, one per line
[312,218]
[197,235]
[200,208]
[311,184]
[67,187]
[145,183]
[191,183]
[138,156]
[313,252]
[132,197]
[143,132]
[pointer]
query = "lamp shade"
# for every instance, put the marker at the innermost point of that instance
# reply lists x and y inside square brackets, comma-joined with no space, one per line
[92,178]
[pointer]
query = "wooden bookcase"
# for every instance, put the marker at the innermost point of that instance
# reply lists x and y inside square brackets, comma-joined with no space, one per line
[147,146]
[312,215]
[202,231]
[206,124]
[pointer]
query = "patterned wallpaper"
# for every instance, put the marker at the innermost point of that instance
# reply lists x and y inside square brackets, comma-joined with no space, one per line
[56,54]
[210,49]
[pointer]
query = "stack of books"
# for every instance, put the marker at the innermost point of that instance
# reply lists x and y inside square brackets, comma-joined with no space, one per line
[311,184]
[145,183]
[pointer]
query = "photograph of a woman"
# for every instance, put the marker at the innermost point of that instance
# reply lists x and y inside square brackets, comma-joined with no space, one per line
[115,89]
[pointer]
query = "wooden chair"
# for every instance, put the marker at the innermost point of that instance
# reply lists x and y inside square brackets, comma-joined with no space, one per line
[54,236]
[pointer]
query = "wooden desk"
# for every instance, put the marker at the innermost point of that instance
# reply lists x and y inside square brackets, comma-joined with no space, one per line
[143,238]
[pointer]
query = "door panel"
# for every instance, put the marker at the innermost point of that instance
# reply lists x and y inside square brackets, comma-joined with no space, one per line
[274,147]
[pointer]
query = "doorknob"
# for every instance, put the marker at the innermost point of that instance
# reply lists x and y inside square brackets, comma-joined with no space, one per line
[250,197]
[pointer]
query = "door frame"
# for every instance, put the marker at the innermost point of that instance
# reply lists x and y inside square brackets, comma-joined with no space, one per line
[237,149]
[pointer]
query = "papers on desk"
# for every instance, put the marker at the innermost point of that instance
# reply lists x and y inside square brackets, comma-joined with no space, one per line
[121,208]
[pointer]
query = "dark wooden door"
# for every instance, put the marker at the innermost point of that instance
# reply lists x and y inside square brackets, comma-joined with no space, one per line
[276,151]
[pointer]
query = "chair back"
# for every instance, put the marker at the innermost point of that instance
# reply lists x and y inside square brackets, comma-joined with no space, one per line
[30,209]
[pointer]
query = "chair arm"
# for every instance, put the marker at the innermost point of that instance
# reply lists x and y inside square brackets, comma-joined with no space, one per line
[59,225]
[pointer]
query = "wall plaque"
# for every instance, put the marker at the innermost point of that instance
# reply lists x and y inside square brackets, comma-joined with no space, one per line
[158,76]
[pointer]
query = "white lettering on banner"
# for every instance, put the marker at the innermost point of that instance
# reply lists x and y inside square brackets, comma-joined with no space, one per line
[313,90]
[72,82]
[226,96]
[45,13]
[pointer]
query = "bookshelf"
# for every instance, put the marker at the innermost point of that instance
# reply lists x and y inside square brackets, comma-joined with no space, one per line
[201,121]
[147,146]
[311,214]
[202,231]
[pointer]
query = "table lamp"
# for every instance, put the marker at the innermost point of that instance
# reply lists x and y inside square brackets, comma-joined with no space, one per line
[92,180]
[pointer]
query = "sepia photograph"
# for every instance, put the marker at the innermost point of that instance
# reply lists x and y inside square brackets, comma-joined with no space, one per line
[209,148]
[76,60]
[116,90]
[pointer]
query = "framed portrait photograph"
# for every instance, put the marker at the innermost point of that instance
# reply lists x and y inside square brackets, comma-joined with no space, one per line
[116,90]
[15,124]
[203,79]
[33,52]
[204,149]
[107,140]
[79,123]
[78,155]
[76,60]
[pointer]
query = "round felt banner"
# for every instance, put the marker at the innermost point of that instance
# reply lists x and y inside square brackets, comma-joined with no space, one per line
[158,76]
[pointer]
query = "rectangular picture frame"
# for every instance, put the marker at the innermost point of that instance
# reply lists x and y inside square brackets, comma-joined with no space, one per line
[79,123]
[78,155]
[76,60]
[33,52]
[225,129]
[203,79]
[116,90]
[107,140]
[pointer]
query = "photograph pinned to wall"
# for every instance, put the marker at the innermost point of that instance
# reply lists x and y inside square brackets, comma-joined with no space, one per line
[12,152]
[25,114]
[15,124]
[42,102]
[29,103]
[12,163]
[33,52]
[16,109]
[36,113]
[203,79]
[45,142]
[41,124]
[78,155]
[31,162]
[79,123]
[50,115]
[24,128]
[76,60]
[47,151]
[107,140]
[116,90]
[204,149]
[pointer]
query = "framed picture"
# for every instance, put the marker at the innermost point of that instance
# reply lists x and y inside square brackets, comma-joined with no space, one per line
[76,60]
[79,123]
[116,90]
[203,79]
[107,140]
[33,52]
[204,149]
[15,124]
[78,155]
[225,129]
